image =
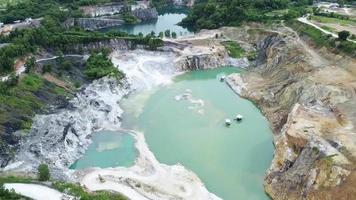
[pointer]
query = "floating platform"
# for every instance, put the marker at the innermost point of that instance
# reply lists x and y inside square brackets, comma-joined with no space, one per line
[227,122]
[238,117]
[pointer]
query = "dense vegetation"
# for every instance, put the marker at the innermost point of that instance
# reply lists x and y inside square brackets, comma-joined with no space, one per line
[129,18]
[69,188]
[323,40]
[236,51]
[38,8]
[99,65]
[20,99]
[343,35]
[22,9]
[8,194]
[52,36]
[159,3]
[43,172]
[212,14]
[78,191]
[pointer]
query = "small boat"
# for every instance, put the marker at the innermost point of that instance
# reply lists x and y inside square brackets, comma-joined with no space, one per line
[222,78]
[238,117]
[227,122]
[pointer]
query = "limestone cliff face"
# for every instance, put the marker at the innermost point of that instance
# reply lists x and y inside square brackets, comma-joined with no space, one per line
[145,14]
[99,15]
[201,57]
[311,103]
[115,44]
[188,3]
[91,24]
[107,9]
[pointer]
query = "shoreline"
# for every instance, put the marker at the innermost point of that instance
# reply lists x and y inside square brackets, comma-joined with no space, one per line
[147,172]
[147,179]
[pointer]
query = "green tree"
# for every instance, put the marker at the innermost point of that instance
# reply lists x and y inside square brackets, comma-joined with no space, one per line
[341,2]
[290,14]
[6,194]
[167,33]
[13,80]
[343,35]
[174,35]
[6,63]
[152,44]
[46,68]
[43,172]
[30,64]
[66,65]
[99,65]
[105,51]
[153,34]
[160,34]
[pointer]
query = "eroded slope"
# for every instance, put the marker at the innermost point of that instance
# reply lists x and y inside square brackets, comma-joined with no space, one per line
[308,95]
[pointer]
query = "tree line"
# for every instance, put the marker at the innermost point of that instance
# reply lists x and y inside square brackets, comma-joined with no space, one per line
[210,14]
[52,36]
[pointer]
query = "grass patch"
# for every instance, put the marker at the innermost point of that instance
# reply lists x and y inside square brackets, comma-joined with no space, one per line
[10,194]
[328,28]
[329,159]
[20,102]
[15,179]
[61,92]
[78,191]
[343,22]
[234,49]
[277,13]
[323,40]
[318,37]
[129,18]
[21,98]
[69,188]
[31,83]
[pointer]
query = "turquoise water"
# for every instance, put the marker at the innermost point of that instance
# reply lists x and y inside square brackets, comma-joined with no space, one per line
[108,149]
[231,161]
[166,21]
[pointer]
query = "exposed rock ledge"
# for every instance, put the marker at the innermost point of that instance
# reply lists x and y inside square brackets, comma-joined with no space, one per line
[311,103]
[92,23]
[188,3]
[145,14]
[106,9]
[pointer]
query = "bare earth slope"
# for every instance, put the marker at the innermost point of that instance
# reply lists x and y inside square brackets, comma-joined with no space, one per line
[308,95]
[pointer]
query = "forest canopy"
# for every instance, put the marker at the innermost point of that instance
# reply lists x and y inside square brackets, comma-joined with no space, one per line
[216,13]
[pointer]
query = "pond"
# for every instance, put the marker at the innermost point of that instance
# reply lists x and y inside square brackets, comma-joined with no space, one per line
[184,122]
[167,20]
